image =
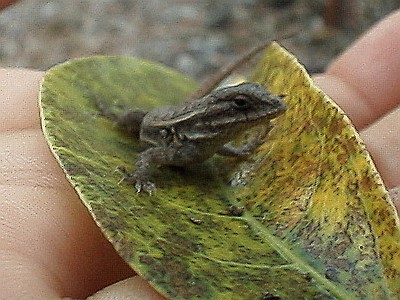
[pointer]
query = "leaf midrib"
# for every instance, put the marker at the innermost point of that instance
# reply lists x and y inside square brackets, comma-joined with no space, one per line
[284,250]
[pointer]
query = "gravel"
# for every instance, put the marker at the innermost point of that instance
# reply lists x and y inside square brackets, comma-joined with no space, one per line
[196,37]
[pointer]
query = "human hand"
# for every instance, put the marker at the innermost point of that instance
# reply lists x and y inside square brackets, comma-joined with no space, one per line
[49,245]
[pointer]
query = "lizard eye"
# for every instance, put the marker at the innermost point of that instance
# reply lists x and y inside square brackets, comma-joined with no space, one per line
[241,102]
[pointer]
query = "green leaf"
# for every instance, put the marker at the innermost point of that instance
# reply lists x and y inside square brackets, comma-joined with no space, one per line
[317,222]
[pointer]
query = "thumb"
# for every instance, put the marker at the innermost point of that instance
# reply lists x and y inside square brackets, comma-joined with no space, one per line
[133,288]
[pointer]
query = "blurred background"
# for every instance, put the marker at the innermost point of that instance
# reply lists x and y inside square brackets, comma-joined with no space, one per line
[195,37]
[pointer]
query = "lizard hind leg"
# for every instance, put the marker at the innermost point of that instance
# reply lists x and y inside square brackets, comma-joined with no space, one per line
[129,120]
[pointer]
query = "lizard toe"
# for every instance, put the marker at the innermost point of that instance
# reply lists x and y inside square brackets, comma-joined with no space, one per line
[147,186]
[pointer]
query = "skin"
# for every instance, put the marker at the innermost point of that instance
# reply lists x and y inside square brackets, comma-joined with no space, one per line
[49,246]
[5,3]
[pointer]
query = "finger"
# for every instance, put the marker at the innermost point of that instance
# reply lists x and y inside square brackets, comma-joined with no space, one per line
[395,196]
[134,288]
[19,99]
[364,80]
[383,142]
[5,3]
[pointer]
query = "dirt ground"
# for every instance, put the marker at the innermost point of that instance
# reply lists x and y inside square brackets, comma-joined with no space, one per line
[196,37]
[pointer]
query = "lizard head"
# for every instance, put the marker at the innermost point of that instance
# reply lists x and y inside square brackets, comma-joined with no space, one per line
[246,105]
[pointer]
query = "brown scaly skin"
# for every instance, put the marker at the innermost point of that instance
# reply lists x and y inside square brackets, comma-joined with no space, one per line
[194,131]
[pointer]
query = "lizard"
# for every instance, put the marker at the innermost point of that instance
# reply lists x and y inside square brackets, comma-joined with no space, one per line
[195,130]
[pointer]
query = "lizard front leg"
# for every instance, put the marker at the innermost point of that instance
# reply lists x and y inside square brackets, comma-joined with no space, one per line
[245,150]
[146,162]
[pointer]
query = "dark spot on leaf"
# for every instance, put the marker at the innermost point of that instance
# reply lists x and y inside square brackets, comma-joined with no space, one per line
[146,259]
[331,274]
[234,211]
[270,296]
[307,277]
[250,204]
[196,220]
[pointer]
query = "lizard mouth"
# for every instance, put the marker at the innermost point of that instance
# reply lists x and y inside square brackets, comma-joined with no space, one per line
[279,109]
[268,114]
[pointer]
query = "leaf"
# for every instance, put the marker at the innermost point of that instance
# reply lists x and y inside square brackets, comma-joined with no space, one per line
[317,222]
